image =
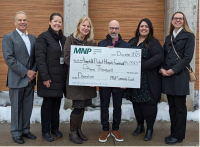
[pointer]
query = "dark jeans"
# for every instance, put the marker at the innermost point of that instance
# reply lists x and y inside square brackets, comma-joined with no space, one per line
[178,115]
[146,111]
[50,114]
[105,93]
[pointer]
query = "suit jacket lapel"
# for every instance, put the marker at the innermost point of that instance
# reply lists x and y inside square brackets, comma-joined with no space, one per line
[31,41]
[21,41]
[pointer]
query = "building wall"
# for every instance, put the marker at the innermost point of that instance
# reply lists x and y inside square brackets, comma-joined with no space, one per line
[128,13]
[196,87]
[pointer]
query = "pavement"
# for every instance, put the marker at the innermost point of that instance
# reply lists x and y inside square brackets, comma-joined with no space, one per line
[93,130]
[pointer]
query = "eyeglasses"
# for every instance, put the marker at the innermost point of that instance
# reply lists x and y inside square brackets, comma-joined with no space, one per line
[176,18]
[113,28]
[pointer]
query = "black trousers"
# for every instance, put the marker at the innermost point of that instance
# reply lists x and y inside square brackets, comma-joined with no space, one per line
[50,114]
[105,93]
[146,111]
[178,115]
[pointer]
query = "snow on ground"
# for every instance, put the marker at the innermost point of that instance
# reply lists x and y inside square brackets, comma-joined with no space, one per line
[92,114]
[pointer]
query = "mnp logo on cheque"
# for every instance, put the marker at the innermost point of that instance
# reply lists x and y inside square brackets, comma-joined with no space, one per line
[82,50]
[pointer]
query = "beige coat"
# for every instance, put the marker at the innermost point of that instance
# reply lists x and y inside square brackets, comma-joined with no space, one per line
[77,92]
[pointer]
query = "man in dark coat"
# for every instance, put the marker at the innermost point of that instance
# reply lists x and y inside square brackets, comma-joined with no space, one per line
[113,39]
[18,51]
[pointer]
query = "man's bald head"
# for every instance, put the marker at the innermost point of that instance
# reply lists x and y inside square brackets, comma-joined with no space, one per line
[113,28]
[114,22]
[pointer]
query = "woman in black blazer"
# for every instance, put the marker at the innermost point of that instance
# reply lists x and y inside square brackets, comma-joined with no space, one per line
[146,98]
[175,80]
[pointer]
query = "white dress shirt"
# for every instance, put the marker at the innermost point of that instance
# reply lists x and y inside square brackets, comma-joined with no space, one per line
[26,40]
[175,34]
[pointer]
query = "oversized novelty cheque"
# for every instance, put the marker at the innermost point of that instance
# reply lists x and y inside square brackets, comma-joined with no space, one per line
[105,67]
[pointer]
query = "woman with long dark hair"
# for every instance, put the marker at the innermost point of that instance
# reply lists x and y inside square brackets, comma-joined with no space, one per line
[51,75]
[146,98]
[179,50]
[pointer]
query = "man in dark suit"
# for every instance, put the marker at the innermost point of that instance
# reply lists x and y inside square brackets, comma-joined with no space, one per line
[113,39]
[18,51]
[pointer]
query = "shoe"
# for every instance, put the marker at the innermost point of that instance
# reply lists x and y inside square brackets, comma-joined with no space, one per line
[117,135]
[48,137]
[140,129]
[173,140]
[80,134]
[57,133]
[148,135]
[104,136]
[168,137]
[29,135]
[73,134]
[18,139]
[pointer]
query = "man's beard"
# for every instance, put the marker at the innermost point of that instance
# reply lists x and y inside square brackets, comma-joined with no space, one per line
[114,35]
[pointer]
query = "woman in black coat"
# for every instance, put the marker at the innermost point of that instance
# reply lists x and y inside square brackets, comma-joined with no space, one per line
[51,75]
[146,98]
[175,80]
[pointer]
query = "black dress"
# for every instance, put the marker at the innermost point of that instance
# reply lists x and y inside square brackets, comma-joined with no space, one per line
[141,94]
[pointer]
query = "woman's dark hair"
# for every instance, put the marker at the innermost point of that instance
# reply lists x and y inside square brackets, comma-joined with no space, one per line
[147,41]
[55,14]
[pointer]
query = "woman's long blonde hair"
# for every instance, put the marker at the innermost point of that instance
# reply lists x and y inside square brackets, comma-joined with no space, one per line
[90,36]
[185,24]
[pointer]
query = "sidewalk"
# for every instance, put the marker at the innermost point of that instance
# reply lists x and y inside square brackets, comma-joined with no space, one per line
[93,131]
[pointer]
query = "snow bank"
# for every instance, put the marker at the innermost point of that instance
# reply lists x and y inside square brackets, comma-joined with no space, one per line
[93,114]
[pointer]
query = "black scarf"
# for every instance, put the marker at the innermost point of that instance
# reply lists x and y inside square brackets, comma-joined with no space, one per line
[56,36]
